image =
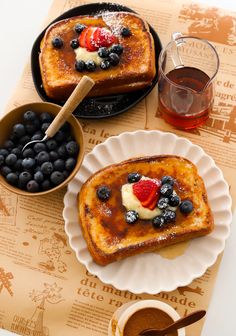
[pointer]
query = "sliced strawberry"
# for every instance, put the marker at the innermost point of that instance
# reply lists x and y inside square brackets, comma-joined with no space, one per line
[90,45]
[153,204]
[143,188]
[93,38]
[82,37]
[151,197]
[96,37]
[147,192]
[105,38]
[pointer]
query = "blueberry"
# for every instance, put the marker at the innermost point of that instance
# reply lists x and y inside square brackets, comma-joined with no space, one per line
[166,190]
[30,116]
[57,177]
[134,177]
[38,177]
[69,138]
[105,65]
[114,58]
[46,117]
[9,144]
[2,160]
[13,138]
[39,147]
[18,165]
[12,178]
[37,168]
[80,66]
[65,173]
[90,66]
[125,31]
[30,129]
[37,123]
[16,151]
[28,163]
[70,164]
[24,178]
[45,126]
[117,49]
[24,140]
[19,130]
[62,152]
[131,216]
[53,156]
[74,43]
[103,52]
[5,170]
[11,159]
[37,136]
[72,148]
[42,157]
[163,203]
[65,127]
[103,193]
[59,165]
[46,185]
[57,42]
[32,186]
[4,152]
[158,222]
[60,136]
[174,200]
[79,28]
[169,216]
[167,179]
[28,153]
[47,168]
[51,144]
[186,207]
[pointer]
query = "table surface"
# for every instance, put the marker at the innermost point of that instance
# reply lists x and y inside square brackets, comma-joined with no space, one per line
[26,17]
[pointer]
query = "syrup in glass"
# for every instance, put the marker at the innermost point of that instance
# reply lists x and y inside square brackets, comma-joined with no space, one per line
[188,104]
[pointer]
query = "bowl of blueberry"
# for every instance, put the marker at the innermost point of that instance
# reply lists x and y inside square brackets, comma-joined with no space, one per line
[44,166]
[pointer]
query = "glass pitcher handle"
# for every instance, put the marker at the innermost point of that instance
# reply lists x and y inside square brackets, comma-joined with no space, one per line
[176,42]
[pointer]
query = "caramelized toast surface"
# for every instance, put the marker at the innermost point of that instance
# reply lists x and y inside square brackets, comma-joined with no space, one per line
[109,237]
[135,70]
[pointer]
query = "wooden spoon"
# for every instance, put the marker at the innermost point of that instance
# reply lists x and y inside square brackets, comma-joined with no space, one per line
[182,322]
[82,89]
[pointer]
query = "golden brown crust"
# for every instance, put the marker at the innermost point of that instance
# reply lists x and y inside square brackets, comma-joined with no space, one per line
[136,69]
[110,238]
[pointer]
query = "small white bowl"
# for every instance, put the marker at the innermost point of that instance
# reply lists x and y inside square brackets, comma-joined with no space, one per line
[121,315]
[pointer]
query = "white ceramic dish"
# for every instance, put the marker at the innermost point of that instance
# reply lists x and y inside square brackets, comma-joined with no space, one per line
[149,272]
[122,314]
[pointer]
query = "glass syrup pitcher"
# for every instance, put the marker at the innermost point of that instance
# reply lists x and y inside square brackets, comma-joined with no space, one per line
[187,69]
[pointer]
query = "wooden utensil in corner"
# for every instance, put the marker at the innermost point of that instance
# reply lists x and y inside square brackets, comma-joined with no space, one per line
[181,323]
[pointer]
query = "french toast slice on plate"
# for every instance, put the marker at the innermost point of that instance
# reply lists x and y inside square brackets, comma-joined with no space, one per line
[104,224]
[135,70]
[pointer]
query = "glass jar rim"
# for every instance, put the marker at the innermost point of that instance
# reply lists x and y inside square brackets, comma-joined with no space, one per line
[160,61]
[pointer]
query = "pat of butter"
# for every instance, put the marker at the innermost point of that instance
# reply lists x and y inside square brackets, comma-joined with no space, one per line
[84,55]
[131,202]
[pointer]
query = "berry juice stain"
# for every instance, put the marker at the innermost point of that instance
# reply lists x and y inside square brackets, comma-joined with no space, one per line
[187,105]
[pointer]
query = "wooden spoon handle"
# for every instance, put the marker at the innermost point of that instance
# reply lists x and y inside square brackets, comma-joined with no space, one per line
[81,90]
[182,322]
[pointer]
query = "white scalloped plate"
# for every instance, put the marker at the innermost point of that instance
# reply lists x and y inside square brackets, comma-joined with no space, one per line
[149,272]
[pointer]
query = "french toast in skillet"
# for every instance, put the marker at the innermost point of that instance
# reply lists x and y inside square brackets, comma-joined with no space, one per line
[111,234]
[59,56]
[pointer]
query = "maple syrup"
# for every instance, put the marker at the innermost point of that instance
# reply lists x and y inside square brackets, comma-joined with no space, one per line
[188,104]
